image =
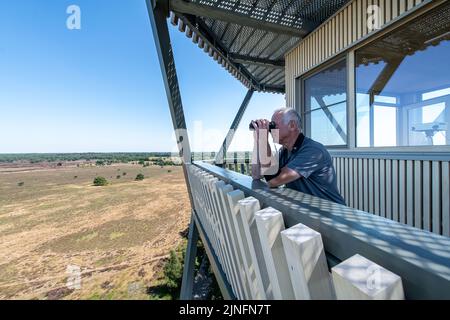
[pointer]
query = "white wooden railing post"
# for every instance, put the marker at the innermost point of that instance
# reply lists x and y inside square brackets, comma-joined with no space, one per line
[248,267]
[307,263]
[223,191]
[270,223]
[248,208]
[220,231]
[217,189]
[358,278]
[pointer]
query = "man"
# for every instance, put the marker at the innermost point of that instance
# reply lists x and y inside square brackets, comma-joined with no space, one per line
[303,164]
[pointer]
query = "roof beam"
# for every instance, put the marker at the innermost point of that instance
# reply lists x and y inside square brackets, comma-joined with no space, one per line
[257,61]
[197,9]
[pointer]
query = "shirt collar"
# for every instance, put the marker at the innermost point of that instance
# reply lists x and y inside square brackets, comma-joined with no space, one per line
[298,143]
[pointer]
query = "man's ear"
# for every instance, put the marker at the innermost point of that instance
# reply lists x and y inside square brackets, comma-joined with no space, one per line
[291,125]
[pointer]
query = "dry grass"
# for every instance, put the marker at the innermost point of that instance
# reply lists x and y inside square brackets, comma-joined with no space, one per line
[117,234]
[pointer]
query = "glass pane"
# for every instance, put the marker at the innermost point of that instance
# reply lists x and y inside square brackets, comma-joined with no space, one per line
[329,126]
[428,125]
[385,122]
[403,85]
[326,105]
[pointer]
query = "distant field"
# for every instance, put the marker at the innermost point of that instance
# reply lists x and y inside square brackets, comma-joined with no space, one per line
[51,218]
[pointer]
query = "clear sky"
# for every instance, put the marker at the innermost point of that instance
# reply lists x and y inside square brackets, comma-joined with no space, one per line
[100,88]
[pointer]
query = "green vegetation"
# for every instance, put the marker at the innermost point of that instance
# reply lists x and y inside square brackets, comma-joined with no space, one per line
[113,157]
[139,177]
[20,184]
[118,176]
[169,285]
[173,271]
[100,181]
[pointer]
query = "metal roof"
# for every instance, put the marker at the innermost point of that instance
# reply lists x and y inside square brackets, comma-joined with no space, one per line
[249,38]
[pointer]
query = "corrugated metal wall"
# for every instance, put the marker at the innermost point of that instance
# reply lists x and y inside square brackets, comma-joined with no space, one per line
[335,35]
[414,192]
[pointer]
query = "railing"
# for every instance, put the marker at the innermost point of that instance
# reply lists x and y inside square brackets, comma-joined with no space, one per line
[281,244]
[409,188]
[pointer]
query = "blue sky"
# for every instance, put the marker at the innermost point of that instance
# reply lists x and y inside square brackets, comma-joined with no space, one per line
[100,88]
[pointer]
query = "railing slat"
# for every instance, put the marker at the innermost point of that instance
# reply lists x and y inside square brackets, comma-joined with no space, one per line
[307,263]
[409,193]
[436,196]
[218,189]
[445,198]
[248,268]
[270,223]
[235,252]
[248,207]
[358,278]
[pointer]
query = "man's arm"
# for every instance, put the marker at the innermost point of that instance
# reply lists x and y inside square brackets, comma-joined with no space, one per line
[286,175]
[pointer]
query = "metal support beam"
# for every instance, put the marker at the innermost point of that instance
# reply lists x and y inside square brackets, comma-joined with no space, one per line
[331,117]
[187,282]
[384,77]
[226,143]
[157,15]
[257,61]
[198,9]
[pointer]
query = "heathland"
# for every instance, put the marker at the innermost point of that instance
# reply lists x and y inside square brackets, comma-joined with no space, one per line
[65,238]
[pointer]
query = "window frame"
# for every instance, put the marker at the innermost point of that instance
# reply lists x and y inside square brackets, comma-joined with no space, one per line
[302,109]
[407,152]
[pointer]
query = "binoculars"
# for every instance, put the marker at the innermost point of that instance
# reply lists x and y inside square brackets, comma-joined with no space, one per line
[272,125]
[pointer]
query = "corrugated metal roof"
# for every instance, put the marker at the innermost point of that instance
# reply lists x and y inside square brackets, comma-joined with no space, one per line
[249,38]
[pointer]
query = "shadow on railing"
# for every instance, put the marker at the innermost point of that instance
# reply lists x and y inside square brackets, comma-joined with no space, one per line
[281,244]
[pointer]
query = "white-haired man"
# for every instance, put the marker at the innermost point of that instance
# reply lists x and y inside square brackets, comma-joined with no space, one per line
[303,164]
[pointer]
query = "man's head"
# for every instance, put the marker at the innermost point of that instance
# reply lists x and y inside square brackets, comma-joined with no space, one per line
[288,123]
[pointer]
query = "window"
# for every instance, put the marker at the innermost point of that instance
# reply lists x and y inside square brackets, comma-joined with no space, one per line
[403,85]
[325,107]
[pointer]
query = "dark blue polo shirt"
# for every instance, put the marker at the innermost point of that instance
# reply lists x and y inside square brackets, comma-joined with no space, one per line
[312,161]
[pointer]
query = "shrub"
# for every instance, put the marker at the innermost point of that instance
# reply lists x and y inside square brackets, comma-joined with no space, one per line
[100,181]
[173,271]
[124,174]
[100,163]
[20,184]
[118,176]
[169,171]
[139,177]
[75,177]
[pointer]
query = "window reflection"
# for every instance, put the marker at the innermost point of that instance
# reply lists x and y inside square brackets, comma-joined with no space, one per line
[403,85]
[326,105]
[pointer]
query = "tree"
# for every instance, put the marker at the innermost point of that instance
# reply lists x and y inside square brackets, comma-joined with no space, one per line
[100,163]
[140,177]
[173,271]
[100,181]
